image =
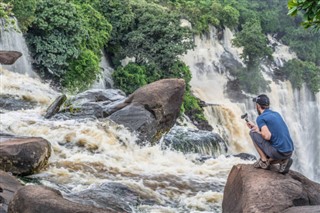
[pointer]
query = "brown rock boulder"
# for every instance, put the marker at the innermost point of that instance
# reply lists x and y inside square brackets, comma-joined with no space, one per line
[40,199]
[23,155]
[161,100]
[256,190]
[8,186]
[9,57]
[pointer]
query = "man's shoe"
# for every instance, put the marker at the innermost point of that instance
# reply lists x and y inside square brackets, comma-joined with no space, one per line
[285,166]
[261,164]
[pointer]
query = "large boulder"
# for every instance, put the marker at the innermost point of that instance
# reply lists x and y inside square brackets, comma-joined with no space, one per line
[9,57]
[23,155]
[8,186]
[256,190]
[40,199]
[162,99]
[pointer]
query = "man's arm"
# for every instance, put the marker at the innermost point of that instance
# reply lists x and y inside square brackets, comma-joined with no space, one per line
[265,133]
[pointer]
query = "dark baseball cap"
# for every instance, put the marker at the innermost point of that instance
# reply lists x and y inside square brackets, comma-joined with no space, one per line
[262,100]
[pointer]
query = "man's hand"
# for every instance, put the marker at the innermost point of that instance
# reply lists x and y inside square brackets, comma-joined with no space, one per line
[253,127]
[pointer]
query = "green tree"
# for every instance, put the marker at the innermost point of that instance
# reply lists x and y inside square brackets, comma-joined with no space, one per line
[24,11]
[310,10]
[130,77]
[255,48]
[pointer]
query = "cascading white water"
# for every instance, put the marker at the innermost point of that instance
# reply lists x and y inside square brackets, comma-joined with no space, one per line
[105,81]
[12,39]
[300,108]
[88,152]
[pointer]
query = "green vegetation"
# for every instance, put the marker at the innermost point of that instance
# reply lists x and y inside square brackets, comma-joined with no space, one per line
[66,38]
[298,72]
[310,9]
[6,13]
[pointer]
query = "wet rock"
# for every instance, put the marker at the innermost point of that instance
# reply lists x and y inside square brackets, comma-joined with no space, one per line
[302,209]
[8,186]
[109,196]
[257,190]
[55,106]
[162,99]
[9,57]
[196,141]
[12,103]
[245,156]
[97,103]
[23,155]
[40,199]
[137,118]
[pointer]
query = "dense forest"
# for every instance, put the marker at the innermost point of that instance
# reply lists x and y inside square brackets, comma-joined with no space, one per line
[66,39]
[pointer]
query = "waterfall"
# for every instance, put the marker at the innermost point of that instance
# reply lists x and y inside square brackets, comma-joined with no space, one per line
[105,81]
[211,62]
[12,39]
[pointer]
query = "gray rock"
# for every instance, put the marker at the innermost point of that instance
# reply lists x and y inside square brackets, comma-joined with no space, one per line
[196,141]
[23,155]
[137,118]
[40,199]
[8,186]
[110,196]
[256,190]
[12,103]
[98,95]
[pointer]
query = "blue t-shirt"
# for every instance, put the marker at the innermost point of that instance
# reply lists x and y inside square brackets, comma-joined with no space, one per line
[280,137]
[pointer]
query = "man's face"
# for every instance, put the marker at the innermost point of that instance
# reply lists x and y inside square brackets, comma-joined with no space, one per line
[258,111]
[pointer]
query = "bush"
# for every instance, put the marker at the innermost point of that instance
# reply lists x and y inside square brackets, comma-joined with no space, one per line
[130,77]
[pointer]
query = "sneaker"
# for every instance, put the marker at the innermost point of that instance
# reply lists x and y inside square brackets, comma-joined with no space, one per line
[285,166]
[261,164]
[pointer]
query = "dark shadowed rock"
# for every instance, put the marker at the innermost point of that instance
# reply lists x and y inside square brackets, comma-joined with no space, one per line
[303,209]
[189,140]
[256,190]
[97,103]
[12,103]
[9,57]
[245,156]
[110,196]
[55,106]
[137,118]
[40,199]
[23,155]
[8,186]
[162,99]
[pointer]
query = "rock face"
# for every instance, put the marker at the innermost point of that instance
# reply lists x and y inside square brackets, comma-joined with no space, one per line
[189,140]
[23,155]
[9,57]
[40,199]
[55,106]
[8,186]
[162,99]
[257,190]
[97,103]
[110,196]
[12,103]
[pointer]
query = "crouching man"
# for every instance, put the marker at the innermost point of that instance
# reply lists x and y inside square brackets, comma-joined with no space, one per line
[271,137]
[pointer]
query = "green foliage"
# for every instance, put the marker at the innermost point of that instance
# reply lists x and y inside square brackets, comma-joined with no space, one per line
[82,71]
[96,28]
[24,11]
[130,77]
[6,13]
[230,16]
[253,41]
[297,72]
[155,37]
[310,10]
[55,35]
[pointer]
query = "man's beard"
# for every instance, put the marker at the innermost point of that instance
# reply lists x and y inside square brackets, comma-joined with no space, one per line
[259,113]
